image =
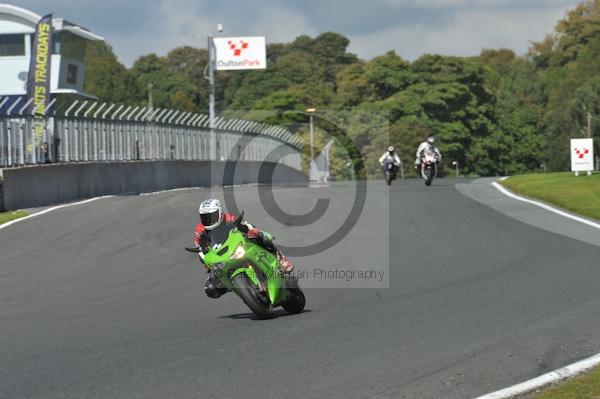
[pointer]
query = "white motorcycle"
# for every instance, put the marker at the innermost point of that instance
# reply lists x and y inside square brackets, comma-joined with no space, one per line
[429,166]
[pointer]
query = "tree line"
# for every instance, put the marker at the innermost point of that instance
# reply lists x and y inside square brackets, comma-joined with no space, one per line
[496,113]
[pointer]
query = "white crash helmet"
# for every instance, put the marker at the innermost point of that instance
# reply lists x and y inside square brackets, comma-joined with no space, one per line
[391,148]
[431,140]
[211,213]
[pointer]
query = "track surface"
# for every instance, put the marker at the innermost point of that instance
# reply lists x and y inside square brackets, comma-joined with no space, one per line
[99,301]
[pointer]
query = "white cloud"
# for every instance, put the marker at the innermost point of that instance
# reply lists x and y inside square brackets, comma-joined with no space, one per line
[188,23]
[427,3]
[466,33]
[474,3]
[411,27]
[282,24]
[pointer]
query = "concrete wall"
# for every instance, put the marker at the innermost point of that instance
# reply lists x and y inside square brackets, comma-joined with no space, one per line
[34,186]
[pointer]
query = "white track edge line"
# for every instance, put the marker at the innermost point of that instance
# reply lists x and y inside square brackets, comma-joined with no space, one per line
[546,379]
[168,191]
[547,207]
[198,188]
[5,225]
[565,372]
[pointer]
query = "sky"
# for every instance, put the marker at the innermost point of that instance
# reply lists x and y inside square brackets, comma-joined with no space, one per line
[410,27]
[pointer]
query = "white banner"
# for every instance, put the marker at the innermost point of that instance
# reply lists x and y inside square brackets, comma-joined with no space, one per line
[240,53]
[582,155]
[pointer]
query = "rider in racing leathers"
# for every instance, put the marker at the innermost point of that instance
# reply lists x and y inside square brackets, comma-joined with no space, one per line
[214,229]
[427,145]
[392,156]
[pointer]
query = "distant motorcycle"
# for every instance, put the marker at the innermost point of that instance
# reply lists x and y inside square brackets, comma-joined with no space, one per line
[390,170]
[429,167]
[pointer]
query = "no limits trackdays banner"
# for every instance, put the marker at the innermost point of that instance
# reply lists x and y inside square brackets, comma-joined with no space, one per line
[38,82]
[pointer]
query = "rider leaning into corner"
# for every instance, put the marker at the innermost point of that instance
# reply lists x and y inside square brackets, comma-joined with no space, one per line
[392,156]
[214,229]
[428,145]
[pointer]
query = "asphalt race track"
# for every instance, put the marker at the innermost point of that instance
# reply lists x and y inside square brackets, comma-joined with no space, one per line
[99,300]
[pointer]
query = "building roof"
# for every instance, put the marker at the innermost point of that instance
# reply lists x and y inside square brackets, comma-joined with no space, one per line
[59,24]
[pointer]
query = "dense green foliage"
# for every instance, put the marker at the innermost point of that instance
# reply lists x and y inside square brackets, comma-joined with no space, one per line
[496,113]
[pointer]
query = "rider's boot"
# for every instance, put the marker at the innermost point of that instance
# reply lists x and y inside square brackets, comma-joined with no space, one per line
[214,288]
[285,264]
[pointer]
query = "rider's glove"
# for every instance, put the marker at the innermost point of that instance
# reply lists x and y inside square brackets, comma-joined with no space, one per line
[253,233]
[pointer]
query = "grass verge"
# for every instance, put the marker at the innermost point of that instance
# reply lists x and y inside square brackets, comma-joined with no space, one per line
[11,215]
[580,195]
[577,194]
[586,386]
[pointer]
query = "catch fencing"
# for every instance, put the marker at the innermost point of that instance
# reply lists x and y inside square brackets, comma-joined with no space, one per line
[89,131]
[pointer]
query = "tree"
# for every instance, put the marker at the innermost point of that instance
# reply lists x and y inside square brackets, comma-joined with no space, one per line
[328,48]
[388,74]
[105,77]
[574,32]
[352,86]
[169,84]
[496,113]
[191,63]
[567,65]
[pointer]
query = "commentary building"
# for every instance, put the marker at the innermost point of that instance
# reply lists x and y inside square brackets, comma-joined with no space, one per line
[17,27]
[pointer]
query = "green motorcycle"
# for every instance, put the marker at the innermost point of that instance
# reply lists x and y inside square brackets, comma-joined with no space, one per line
[253,273]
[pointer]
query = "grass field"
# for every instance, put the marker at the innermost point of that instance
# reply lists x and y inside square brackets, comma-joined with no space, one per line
[578,194]
[584,387]
[8,216]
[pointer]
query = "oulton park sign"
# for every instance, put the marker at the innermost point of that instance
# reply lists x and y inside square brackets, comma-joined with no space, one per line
[240,53]
[582,155]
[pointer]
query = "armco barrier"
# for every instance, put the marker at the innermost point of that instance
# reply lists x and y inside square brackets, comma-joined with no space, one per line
[92,132]
[34,186]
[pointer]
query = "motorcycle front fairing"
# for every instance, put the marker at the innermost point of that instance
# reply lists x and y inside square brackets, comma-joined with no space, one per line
[238,255]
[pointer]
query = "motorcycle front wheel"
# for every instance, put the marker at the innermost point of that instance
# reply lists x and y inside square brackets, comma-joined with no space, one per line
[428,176]
[249,294]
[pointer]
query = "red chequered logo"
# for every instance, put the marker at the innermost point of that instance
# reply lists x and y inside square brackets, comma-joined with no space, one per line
[237,47]
[581,153]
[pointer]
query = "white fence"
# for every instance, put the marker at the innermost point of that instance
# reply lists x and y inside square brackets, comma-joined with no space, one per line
[102,132]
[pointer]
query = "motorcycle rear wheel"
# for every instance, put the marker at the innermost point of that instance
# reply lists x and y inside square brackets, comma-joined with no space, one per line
[246,290]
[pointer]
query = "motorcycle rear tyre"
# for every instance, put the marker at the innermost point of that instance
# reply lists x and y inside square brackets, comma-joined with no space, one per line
[296,299]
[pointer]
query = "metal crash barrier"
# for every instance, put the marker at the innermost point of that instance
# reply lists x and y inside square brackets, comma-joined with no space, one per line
[88,131]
